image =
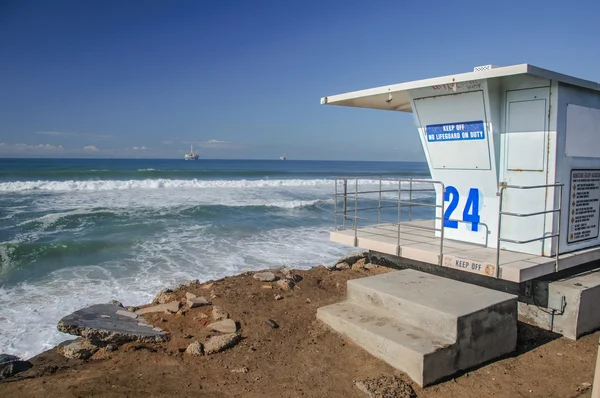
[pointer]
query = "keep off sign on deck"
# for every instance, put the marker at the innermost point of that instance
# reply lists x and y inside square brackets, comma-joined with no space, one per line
[584,205]
[476,267]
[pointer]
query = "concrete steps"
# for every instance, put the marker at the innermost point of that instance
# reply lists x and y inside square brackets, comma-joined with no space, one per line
[424,325]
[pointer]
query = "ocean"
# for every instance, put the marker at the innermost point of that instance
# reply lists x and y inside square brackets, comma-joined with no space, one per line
[77,232]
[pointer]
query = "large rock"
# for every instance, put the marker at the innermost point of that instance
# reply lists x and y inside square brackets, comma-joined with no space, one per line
[194,349]
[164,296]
[173,306]
[219,313]
[194,302]
[102,322]
[224,326]
[77,349]
[219,343]
[265,276]
[10,365]
[342,266]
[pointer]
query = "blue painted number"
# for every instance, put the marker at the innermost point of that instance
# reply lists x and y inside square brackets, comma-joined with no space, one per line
[472,206]
[470,212]
[450,191]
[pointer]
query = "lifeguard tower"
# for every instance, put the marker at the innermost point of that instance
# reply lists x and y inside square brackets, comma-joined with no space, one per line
[514,158]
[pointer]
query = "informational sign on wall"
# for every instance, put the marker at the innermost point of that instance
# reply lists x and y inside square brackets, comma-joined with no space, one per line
[584,205]
[455,131]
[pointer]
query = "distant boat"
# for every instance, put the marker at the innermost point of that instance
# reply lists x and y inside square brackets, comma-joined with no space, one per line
[191,155]
[282,157]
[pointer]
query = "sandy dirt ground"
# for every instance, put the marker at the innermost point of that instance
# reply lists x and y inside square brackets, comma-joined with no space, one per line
[300,358]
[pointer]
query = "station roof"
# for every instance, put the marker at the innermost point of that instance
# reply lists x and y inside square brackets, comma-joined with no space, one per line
[395,97]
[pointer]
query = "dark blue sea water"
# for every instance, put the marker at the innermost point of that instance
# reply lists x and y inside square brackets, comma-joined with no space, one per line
[76,232]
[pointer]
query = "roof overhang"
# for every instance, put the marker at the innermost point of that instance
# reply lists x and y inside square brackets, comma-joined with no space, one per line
[396,97]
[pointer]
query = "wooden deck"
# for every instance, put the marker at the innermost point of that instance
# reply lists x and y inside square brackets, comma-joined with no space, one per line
[421,245]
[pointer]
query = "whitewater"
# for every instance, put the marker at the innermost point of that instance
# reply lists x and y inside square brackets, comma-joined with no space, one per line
[66,242]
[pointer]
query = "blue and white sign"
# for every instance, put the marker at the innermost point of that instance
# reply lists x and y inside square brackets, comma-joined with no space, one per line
[455,131]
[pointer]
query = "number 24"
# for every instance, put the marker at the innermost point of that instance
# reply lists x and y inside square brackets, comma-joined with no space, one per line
[471,211]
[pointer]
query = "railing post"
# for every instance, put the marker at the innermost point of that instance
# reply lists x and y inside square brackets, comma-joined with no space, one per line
[356,213]
[442,226]
[558,229]
[345,203]
[499,230]
[335,196]
[399,216]
[410,200]
[379,205]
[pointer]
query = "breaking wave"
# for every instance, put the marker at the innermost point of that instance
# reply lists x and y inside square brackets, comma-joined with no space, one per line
[109,185]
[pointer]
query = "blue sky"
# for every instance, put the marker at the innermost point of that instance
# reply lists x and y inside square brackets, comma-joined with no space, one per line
[243,79]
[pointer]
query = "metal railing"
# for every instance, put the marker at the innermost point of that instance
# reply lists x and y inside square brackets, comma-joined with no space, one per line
[352,213]
[537,213]
[348,189]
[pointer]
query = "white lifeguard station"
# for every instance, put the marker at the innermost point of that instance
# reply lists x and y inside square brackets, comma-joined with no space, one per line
[514,158]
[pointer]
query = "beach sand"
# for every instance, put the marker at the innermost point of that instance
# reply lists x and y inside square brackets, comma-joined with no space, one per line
[300,358]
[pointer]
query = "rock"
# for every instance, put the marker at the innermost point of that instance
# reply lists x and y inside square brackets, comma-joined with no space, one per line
[278,297]
[10,365]
[285,284]
[371,266]
[164,296]
[386,386]
[131,308]
[89,324]
[353,257]
[77,349]
[197,302]
[224,326]
[219,314]
[128,314]
[360,264]
[213,295]
[267,286]
[116,302]
[173,306]
[272,323]
[265,276]
[240,370]
[202,315]
[288,273]
[194,349]
[342,266]
[207,286]
[189,295]
[191,283]
[219,343]
[584,387]
[360,261]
